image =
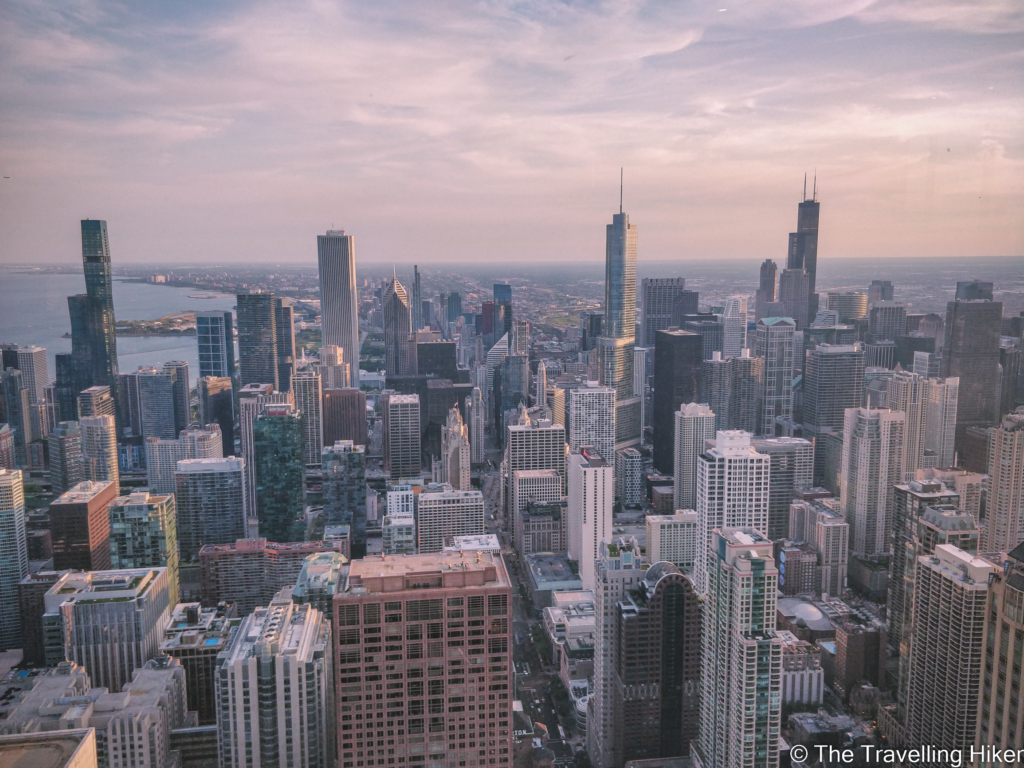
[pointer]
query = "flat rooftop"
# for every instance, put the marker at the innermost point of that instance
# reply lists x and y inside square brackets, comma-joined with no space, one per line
[83,492]
[550,568]
[396,573]
[54,749]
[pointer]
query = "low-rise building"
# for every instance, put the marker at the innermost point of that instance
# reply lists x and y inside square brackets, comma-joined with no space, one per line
[803,679]
[319,580]
[551,572]
[570,616]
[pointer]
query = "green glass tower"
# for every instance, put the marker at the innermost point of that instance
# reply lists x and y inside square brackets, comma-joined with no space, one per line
[280,473]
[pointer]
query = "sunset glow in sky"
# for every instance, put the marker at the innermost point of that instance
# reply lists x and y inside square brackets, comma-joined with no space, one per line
[217,132]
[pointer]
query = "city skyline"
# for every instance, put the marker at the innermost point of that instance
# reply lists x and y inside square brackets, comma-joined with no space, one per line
[477,120]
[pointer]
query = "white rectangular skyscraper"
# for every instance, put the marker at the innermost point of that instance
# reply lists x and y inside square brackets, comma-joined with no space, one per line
[339,303]
[592,419]
[591,485]
[695,423]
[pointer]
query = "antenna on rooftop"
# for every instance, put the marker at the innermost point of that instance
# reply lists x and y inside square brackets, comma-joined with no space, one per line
[805,185]
[815,197]
[620,190]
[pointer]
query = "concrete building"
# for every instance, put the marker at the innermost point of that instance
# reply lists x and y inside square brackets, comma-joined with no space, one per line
[571,616]
[543,526]
[833,382]
[476,419]
[344,416]
[67,464]
[110,622]
[591,411]
[285,651]
[803,679]
[775,337]
[732,492]
[734,326]
[402,435]
[732,388]
[144,534]
[533,485]
[443,513]
[99,448]
[13,556]
[195,637]
[694,424]
[64,748]
[334,371]
[791,466]
[740,654]
[210,503]
[673,539]
[1004,524]
[629,476]
[591,493]
[320,579]
[80,525]
[455,459]
[162,456]
[677,369]
[306,388]
[343,466]
[535,445]
[420,592]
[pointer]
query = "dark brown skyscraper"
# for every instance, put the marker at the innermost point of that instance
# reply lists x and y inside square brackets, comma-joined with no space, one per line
[677,364]
[970,350]
[344,416]
[803,244]
[766,288]
[80,526]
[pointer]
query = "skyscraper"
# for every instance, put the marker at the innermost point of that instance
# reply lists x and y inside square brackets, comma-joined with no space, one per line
[872,463]
[96,401]
[252,400]
[402,435]
[791,466]
[657,297]
[455,460]
[443,513]
[734,326]
[591,485]
[210,503]
[67,464]
[339,303]
[18,412]
[278,446]
[257,339]
[66,385]
[887,321]
[775,346]
[334,371]
[31,361]
[399,349]
[535,445]
[80,525]
[343,465]
[162,456]
[93,342]
[694,423]
[766,288]
[677,367]
[13,556]
[215,338]
[732,492]
[970,351]
[284,322]
[732,387]
[217,406]
[344,415]
[592,420]
[880,290]
[741,656]
[157,399]
[833,382]
[308,399]
[181,393]
[99,448]
[1004,521]
[417,300]
[848,305]
[476,419]
[803,244]
[794,287]
[144,534]
[629,476]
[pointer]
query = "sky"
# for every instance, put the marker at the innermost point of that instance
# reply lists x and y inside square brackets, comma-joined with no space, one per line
[472,131]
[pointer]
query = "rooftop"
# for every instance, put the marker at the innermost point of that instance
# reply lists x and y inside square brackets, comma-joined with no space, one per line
[396,573]
[53,749]
[549,568]
[83,492]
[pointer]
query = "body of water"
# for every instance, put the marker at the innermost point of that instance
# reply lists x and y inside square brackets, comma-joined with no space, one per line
[34,310]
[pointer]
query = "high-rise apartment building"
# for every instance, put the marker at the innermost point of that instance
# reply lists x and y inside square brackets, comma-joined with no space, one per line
[1004,523]
[970,351]
[253,399]
[766,288]
[629,476]
[828,533]
[476,418]
[111,622]
[96,401]
[438,600]
[217,406]
[791,466]
[31,361]
[339,302]
[833,382]
[17,409]
[215,337]
[80,526]
[535,445]
[741,656]
[162,456]
[308,399]
[278,444]
[284,328]
[67,464]
[732,492]
[734,326]
[887,321]
[673,539]
[402,436]
[455,461]
[592,419]
[732,387]
[283,651]
[13,556]
[99,448]
[872,463]
[344,415]
[257,339]
[694,423]
[7,447]
[399,345]
[591,491]
[343,466]
[144,534]
[210,503]
[334,372]
[157,400]
[677,370]
[319,580]
[775,336]
[658,295]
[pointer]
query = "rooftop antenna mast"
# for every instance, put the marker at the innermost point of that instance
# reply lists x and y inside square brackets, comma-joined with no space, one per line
[805,185]
[815,197]
[620,190]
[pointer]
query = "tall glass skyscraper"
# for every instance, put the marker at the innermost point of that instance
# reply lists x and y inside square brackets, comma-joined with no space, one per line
[339,303]
[216,340]
[257,339]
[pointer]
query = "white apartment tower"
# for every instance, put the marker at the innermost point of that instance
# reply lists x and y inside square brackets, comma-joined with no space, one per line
[741,656]
[99,448]
[1004,522]
[930,428]
[537,445]
[734,326]
[592,419]
[162,456]
[13,555]
[591,494]
[673,538]
[872,463]
[306,389]
[695,423]
[402,435]
[339,304]
[732,492]
[940,429]
[455,459]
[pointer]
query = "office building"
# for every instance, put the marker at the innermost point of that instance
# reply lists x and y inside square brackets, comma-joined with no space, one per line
[673,538]
[946,651]
[308,399]
[31,361]
[833,382]
[794,287]
[215,337]
[657,668]
[423,588]
[195,637]
[157,400]
[319,581]
[344,416]
[1004,524]
[17,408]
[455,452]
[828,533]
[249,572]
[475,420]
[13,556]
[343,466]
[80,526]
[872,463]
[592,419]
[880,290]
[76,747]
[887,321]
[620,570]
[7,447]
[334,372]
[658,295]
[210,503]
[970,351]
[99,448]
[253,399]
[591,491]
[398,534]
[96,401]
[734,326]
[732,388]
[180,392]
[217,406]
[533,486]
[284,322]
[285,650]
[93,342]
[162,456]
[399,345]
[443,513]
[257,340]
[144,534]
[677,370]
[533,445]
[791,466]
[278,444]
[65,387]
[67,463]
[848,305]
[741,656]
[694,424]
[775,336]
[401,425]
[112,621]
[417,300]
[542,526]
[629,476]
[803,245]
[766,288]
[339,302]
